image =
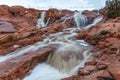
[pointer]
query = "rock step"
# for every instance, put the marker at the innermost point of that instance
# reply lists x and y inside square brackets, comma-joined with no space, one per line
[19,67]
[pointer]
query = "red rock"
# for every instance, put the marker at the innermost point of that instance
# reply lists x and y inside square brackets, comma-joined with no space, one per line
[114,70]
[17,10]
[19,67]
[22,38]
[5,38]
[4,11]
[91,15]
[72,78]
[55,14]
[59,25]
[103,11]
[6,27]
[56,27]
[90,63]
[86,70]
[97,75]
[101,66]
[103,63]
[22,33]
[24,21]
[106,49]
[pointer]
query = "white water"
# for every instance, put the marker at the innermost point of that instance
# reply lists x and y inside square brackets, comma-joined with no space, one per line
[80,20]
[67,56]
[44,71]
[97,20]
[76,51]
[41,21]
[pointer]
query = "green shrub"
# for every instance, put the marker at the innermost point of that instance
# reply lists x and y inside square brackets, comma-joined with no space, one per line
[113,8]
[104,32]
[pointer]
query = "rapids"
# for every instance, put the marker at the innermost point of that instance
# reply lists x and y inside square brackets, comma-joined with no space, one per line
[69,56]
[66,59]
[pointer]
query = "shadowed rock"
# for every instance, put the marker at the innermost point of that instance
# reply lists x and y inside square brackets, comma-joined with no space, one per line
[6,27]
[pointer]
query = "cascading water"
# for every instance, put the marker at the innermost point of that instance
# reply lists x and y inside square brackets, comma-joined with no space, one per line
[80,20]
[68,57]
[63,62]
[41,21]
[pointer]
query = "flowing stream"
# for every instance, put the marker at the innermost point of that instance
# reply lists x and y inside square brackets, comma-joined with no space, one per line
[68,57]
[41,21]
[80,20]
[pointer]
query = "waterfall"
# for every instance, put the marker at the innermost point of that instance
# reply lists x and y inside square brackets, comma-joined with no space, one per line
[80,20]
[64,61]
[70,54]
[41,21]
[66,57]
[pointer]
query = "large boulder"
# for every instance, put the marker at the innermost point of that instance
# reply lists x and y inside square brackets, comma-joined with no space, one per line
[6,27]
[114,70]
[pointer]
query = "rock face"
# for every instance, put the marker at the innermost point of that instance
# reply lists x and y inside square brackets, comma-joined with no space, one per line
[18,67]
[4,11]
[17,27]
[114,69]
[91,15]
[22,23]
[105,37]
[54,14]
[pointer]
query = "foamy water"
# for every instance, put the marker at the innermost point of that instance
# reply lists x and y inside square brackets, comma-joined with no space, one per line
[65,61]
[44,71]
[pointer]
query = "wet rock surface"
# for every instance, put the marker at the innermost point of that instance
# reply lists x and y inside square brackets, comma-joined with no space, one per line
[19,30]
[91,15]
[17,27]
[18,67]
[105,37]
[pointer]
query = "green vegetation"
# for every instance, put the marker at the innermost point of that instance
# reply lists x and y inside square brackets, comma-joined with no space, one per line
[104,32]
[113,8]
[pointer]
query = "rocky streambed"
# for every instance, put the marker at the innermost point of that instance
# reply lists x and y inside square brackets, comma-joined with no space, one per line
[23,44]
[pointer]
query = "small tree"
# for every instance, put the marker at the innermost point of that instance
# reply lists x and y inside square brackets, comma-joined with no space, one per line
[113,8]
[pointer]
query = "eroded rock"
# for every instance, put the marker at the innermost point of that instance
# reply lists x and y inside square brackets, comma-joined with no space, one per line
[114,70]
[19,67]
[6,27]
